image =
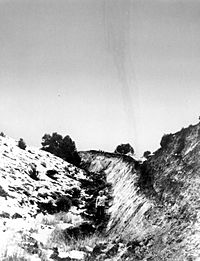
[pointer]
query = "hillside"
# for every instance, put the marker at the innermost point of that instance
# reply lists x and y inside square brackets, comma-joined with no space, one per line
[46,203]
[31,177]
[40,196]
[152,213]
[156,203]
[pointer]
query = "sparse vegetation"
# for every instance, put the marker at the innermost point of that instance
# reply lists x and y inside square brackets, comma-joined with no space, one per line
[63,204]
[51,173]
[21,144]
[33,173]
[147,154]
[58,237]
[3,193]
[124,149]
[2,134]
[75,192]
[163,193]
[89,241]
[61,216]
[14,257]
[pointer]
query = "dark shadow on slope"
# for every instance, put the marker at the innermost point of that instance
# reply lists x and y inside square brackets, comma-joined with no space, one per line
[146,179]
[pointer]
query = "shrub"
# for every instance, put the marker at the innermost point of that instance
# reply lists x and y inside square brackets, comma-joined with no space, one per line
[64,148]
[76,192]
[48,207]
[2,134]
[4,215]
[75,202]
[44,164]
[147,154]
[51,173]
[63,204]
[33,173]
[124,149]
[21,144]
[166,139]
[84,230]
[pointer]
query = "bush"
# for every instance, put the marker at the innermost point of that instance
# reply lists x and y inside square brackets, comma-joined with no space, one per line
[75,202]
[51,173]
[33,173]
[63,204]
[21,144]
[166,139]
[3,193]
[48,207]
[147,154]
[2,134]
[64,148]
[76,192]
[124,149]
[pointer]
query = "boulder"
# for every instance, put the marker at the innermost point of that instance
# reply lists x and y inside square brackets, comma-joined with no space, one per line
[73,255]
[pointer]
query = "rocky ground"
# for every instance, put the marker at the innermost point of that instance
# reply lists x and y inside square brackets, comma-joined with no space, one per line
[35,186]
[47,205]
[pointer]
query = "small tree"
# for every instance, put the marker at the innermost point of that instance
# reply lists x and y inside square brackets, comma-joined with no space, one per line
[147,154]
[2,134]
[52,143]
[22,144]
[124,149]
[64,148]
[166,139]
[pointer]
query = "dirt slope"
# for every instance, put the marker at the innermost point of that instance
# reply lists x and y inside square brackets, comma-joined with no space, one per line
[156,202]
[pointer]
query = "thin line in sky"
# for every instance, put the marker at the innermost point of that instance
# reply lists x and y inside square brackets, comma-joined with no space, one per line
[117,26]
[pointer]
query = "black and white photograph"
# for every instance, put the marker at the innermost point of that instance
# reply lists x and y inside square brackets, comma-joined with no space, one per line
[99,130]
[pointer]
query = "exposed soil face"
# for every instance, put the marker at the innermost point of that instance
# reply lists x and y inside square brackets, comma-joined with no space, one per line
[157,199]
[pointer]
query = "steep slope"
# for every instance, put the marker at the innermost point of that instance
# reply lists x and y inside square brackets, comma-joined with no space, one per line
[46,203]
[175,170]
[31,178]
[156,203]
[128,206]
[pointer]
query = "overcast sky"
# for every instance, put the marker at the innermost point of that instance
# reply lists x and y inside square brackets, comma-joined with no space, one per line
[104,72]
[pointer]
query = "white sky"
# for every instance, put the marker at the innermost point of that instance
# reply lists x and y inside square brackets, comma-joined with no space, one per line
[104,72]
